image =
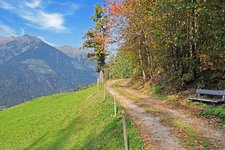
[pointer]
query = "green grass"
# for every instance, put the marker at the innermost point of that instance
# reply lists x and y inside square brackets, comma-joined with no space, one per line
[214,111]
[156,91]
[76,120]
[209,111]
[203,105]
[190,136]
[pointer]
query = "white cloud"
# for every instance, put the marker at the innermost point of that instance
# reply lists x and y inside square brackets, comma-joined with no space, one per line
[33,4]
[46,41]
[36,15]
[53,20]
[6,5]
[6,30]
[22,31]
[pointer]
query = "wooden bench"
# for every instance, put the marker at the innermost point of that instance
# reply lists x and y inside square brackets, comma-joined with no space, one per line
[200,92]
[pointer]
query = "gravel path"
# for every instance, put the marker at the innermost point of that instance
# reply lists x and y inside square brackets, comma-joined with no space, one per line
[155,135]
[215,134]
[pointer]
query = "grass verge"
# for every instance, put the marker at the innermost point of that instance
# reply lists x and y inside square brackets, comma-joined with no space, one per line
[77,120]
[214,111]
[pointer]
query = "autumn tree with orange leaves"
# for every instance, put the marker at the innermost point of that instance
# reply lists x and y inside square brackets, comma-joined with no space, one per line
[97,38]
[176,43]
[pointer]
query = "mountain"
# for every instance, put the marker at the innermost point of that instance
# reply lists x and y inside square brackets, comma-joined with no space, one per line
[12,46]
[4,40]
[79,55]
[73,51]
[30,68]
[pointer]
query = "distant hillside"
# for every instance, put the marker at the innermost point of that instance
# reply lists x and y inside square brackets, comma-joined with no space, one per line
[73,52]
[78,120]
[79,55]
[30,68]
[2,108]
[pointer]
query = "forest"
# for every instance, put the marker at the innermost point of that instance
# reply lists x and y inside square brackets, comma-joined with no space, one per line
[176,43]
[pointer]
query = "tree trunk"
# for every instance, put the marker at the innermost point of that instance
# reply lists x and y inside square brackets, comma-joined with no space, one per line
[193,25]
[150,63]
[142,65]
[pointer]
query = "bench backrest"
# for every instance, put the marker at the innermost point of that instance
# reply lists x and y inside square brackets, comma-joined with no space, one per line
[211,92]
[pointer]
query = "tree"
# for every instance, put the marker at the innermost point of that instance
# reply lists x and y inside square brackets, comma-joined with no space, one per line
[97,37]
[177,43]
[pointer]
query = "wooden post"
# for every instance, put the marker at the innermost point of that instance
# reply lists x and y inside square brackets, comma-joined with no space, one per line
[124,130]
[104,93]
[115,111]
[98,83]
[101,77]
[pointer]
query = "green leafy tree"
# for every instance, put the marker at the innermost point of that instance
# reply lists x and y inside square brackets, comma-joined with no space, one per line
[178,43]
[121,66]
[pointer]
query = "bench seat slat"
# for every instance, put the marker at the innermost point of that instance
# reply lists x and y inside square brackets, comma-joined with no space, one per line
[211,92]
[207,100]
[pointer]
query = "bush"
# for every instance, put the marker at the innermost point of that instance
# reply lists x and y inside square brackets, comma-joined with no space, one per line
[157,89]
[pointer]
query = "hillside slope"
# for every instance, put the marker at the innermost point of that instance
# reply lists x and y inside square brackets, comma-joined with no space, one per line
[77,120]
[31,68]
[79,55]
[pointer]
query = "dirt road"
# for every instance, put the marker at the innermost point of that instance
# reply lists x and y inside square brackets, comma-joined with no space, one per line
[157,135]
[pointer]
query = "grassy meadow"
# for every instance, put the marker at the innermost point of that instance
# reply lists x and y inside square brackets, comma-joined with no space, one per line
[78,120]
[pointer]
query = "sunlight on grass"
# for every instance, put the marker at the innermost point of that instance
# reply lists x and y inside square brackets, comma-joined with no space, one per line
[76,120]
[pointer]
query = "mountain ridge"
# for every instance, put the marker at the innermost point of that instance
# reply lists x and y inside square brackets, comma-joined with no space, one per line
[31,68]
[79,55]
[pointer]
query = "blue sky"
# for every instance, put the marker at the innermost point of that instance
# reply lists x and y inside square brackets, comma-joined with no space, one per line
[58,22]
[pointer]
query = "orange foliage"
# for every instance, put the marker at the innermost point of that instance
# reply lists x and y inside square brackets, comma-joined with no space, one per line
[115,7]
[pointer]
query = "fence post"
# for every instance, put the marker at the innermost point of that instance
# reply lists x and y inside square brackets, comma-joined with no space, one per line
[115,111]
[104,93]
[124,130]
[98,84]
[101,77]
